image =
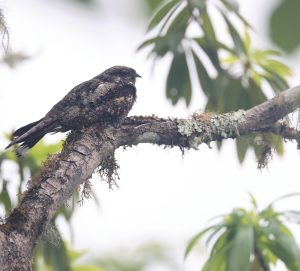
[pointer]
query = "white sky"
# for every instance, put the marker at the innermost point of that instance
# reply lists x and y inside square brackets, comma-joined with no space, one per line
[162,196]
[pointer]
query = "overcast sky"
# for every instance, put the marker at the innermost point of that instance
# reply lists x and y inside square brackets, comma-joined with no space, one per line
[162,196]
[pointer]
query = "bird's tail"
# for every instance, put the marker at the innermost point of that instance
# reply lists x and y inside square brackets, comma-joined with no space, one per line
[30,134]
[25,128]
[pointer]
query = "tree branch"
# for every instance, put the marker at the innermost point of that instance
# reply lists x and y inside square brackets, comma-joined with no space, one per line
[84,151]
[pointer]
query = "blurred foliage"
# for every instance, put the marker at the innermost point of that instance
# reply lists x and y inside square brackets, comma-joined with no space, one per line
[13,58]
[152,4]
[86,2]
[50,250]
[140,259]
[26,166]
[259,143]
[61,259]
[284,25]
[233,75]
[250,240]
[7,55]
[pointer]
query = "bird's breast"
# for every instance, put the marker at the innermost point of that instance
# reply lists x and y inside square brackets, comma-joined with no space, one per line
[127,100]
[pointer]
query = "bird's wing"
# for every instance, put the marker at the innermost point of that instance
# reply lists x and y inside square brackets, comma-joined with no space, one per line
[79,96]
[50,123]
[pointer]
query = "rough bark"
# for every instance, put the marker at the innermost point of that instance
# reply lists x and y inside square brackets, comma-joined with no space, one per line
[84,151]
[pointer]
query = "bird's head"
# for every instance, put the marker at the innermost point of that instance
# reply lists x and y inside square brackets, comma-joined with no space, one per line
[119,74]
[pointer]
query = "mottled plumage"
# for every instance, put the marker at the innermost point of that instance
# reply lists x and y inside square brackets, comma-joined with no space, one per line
[106,98]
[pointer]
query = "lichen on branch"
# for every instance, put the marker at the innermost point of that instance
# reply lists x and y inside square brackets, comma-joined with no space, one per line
[207,127]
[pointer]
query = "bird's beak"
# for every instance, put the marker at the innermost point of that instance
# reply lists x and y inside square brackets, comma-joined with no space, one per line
[137,75]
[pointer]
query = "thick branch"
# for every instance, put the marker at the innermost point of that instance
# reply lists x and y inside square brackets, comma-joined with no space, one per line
[85,150]
[54,184]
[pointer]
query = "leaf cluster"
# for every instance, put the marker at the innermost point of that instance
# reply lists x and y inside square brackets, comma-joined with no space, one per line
[233,74]
[247,240]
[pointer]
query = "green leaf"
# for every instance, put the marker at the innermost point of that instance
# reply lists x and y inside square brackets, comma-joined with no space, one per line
[153,4]
[208,28]
[217,261]
[284,25]
[146,43]
[213,102]
[239,45]
[180,22]
[74,255]
[231,59]
[162,46]
[221,241]
[178,81]
[247,40]
[198,4]
[67,211]
[275,71]
[218,256]
[246,23]
[241,249]
[4,197]
[168,18]
[261,55]
[55,257]
[256,77]
[242,145]
[214,232]
[197,237]
[161,13]
[233,95]
[223,46]
[41,150]
[253,200]
[283,244]
[210,51]
[277,82]
[255,94]
[277,143]
[10,155]
[206,82]
[3,157]
[233,6]
[276,66]
[60,260]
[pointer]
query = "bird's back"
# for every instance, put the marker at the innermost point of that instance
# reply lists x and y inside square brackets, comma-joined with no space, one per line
[92,102]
